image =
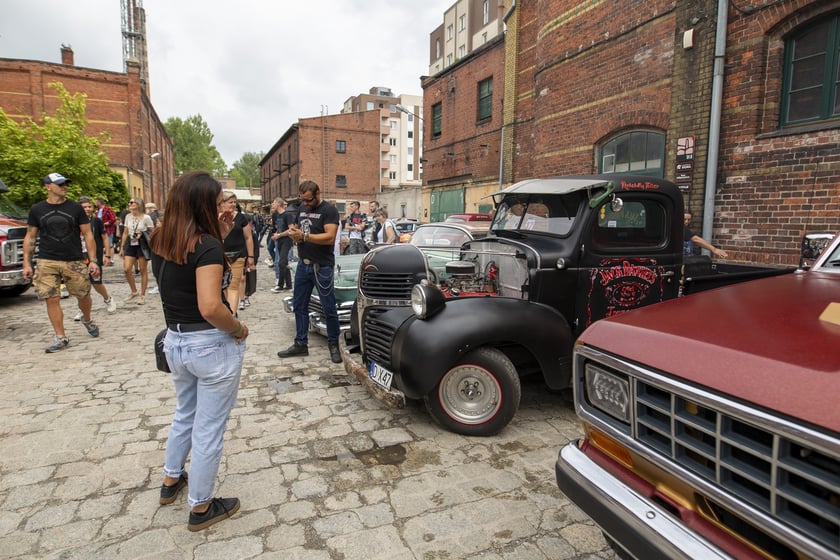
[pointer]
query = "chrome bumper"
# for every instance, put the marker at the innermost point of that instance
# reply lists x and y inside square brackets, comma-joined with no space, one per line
[12,278]
[317,321]
[640,526]
[392,398]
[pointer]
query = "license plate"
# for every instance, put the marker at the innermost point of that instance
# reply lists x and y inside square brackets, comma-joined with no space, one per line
[380,375]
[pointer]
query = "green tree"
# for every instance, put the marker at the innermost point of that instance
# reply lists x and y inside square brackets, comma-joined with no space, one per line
[193,145]
[29,150]
[246,170]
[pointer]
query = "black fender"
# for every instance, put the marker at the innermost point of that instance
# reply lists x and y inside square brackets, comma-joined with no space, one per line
[425,349]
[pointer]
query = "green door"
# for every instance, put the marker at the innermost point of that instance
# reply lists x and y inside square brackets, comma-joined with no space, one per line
[445,203]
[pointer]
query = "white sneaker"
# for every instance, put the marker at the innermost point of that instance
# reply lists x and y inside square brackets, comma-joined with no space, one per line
[269,262]
[153,290]
[112,304]
[79,316]
[242,305]
[276,290]
[247,302]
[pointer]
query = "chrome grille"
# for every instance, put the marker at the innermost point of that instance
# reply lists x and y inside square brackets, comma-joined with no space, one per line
[378,337]
[793,481]
[387,285]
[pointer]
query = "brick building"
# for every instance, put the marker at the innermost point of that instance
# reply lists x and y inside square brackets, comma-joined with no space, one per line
[117,103]
[628,86]
[463,133]
[339,152]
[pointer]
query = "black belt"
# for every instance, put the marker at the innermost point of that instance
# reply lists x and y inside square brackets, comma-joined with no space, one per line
[190,327]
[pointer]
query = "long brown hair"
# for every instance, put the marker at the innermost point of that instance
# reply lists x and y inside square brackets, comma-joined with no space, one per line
[191,212]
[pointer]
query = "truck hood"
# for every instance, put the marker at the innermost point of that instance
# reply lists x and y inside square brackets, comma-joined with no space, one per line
[761,342]
[7,222]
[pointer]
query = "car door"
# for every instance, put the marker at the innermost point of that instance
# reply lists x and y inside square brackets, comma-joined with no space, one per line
[630,258]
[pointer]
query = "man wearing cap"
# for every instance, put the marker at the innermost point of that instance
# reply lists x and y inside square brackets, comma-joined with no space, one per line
[59,223]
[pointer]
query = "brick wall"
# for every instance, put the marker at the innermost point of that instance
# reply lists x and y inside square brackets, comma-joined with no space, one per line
[774,184]
[467,150]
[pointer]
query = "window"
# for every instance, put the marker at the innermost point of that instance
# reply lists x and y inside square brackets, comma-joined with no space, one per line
[369,105]
[393,141]
[485,12]
[393,125]
[410,167]
[393,158]
[462,22]
[811,87]
[462,51]
[437,49]
[409,151]
[392,174]
[449,33]
[449,60]
[484,38]
[341,181]
[485,99]
[410,117]
[437,115]
[640,223]
[640,152]
[340,146]
[411,134]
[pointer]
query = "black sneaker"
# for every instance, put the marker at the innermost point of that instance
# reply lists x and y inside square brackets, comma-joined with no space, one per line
[169,493]
[295,349]
[219,510]
[335,355]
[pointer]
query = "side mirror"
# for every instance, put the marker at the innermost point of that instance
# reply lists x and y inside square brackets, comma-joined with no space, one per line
[813,244]
[617,204]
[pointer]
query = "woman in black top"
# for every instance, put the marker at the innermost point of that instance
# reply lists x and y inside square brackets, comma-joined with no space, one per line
[204,346]
[239,247]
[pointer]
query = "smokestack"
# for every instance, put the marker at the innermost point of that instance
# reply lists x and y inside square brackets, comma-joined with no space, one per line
[67,55]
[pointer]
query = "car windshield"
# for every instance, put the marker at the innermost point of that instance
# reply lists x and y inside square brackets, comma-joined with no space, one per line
[439,236]
[535,212]
[11,210]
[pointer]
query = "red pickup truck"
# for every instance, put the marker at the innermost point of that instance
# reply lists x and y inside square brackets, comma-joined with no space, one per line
[12,231]
[712,422]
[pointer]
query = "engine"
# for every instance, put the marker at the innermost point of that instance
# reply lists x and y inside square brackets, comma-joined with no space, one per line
[463,278]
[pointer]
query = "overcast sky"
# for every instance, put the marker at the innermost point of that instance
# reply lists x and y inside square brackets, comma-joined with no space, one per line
[250,68]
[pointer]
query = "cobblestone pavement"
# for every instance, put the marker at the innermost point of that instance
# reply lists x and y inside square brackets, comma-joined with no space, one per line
[323,470]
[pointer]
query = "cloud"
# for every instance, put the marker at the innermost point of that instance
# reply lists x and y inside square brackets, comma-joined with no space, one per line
[250,68]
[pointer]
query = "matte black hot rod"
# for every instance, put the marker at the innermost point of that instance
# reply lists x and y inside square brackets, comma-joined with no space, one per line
[563,252]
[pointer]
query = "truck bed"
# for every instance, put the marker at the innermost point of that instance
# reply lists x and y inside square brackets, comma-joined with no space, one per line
[702,274]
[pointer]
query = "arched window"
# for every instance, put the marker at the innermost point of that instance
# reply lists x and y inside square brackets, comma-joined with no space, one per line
[810,90]
[641,152]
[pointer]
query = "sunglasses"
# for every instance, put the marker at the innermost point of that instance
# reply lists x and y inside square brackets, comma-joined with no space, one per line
[132,202]
[307,200]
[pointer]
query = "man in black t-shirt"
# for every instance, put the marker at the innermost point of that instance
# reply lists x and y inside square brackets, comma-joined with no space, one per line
[314,234]
[59,223]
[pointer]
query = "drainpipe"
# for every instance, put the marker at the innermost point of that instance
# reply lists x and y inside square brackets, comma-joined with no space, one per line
[714,124]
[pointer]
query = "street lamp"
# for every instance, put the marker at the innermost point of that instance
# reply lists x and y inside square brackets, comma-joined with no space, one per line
[407,111]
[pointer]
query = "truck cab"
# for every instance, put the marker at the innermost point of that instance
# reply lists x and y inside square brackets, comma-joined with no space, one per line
[563,253]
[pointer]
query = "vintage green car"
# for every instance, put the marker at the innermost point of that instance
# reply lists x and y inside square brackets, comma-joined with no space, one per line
[441,242]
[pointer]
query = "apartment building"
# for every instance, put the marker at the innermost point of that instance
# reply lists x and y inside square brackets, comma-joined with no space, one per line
[467,25]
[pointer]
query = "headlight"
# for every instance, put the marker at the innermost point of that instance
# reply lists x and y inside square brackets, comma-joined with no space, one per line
[608,392]
[426,300]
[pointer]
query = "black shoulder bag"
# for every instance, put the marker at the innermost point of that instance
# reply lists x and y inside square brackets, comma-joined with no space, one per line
[160,355]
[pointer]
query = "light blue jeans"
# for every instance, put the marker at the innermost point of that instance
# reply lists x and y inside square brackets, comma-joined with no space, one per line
[206,366]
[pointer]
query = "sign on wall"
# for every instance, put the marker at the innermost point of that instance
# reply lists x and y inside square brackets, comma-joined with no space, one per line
[684,166]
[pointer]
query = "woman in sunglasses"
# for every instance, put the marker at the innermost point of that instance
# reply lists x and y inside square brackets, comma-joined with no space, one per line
[134,248]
